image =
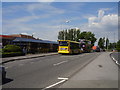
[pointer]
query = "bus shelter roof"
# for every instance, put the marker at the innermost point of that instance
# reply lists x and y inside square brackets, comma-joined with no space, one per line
[19,39]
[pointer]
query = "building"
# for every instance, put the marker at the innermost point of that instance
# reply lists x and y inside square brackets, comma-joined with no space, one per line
[29,43]
[22,36]
[36,46]
[5,40]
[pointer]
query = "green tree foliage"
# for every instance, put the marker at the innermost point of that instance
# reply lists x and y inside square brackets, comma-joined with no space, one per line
[61,35]
[107,43]
[118,46]
[70,34]
[112,46]
[88,36]
[101,43]
[66,35]
[78,33]
[75,35]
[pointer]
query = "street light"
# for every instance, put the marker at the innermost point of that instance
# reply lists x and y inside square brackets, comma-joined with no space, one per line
[67,21]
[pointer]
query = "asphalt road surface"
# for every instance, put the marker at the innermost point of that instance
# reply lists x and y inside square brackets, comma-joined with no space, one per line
[116,57]
[44,71]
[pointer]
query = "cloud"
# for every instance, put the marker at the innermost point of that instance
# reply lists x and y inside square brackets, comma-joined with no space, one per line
[32,9]
[44,7]
[100,14]
[91,20]
[103,25]
[45,20]
[34,21]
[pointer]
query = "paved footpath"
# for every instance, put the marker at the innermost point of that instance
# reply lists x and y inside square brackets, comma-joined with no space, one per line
[100,73]
[8,59]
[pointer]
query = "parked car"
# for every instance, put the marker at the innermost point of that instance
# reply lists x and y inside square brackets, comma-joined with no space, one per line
[97,49]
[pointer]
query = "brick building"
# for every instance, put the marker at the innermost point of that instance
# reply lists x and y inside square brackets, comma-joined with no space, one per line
[22,36]
[5,40]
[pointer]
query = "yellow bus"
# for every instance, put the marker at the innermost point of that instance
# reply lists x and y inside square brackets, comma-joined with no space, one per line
[68,47]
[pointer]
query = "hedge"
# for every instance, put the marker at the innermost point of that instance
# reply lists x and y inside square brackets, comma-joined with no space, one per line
[11,50]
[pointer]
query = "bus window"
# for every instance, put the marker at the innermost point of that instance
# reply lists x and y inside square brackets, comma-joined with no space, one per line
[74,45]
[63,43]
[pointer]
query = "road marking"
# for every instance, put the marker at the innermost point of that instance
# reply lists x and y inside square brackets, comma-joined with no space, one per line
[62,80]
[113,58]
[60,63]
[115,61]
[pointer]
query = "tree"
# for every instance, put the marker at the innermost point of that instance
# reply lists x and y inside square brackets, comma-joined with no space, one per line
[66,35]
[88,36]
[75,35]
[107,43]
[101,42]
[112,46]
[61,35]
[118,46]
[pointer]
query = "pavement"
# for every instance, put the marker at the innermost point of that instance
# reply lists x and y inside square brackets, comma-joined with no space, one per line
[9,59]
[100,73]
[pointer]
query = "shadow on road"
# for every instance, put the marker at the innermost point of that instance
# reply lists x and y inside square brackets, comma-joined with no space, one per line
[6,80]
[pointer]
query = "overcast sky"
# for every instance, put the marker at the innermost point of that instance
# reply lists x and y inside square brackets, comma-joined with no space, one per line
[45,19]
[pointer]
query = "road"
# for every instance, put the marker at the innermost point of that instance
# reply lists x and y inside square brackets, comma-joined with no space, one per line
[44,71]
[116,57]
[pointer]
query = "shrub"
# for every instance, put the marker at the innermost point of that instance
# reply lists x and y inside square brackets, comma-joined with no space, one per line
[10,54]
[12,48]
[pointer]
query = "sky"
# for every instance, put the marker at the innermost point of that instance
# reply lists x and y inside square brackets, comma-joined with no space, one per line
[45,19]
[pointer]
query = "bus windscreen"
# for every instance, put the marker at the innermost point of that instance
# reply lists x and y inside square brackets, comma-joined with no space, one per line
[63,43]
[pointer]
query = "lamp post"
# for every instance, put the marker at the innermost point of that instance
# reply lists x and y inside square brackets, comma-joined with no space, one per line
[67,21]
[62,23]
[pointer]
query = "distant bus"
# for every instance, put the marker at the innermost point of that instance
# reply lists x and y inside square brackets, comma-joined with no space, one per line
[68,47]
[85,45]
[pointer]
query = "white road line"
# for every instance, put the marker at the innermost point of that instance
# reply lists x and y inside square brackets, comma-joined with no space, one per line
[113,58]
[62,80]
[60,63]
[115,61]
